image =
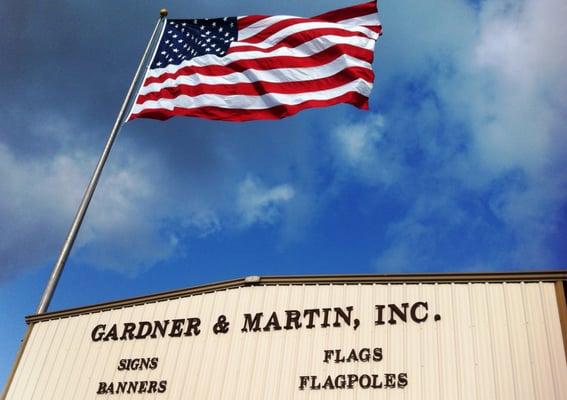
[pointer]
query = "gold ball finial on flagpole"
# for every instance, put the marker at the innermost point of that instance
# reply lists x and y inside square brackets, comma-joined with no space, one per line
[163,12]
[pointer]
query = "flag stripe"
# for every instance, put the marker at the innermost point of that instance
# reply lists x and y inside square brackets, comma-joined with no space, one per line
[255,101]
[348,12]
[300,25]
[311,48]
[261,87]
[268,63]
[243,114]
[245,22]
[271,76]
[273,67]
[329,35]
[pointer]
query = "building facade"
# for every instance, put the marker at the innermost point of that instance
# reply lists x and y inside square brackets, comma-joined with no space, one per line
[466,336]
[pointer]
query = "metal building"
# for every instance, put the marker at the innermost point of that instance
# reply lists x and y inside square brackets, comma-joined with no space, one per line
[466,336]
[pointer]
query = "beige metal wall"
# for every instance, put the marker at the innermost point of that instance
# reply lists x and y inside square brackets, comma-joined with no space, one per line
[494,341]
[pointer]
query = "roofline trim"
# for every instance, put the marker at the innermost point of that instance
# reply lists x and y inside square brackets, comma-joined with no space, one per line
[528,276]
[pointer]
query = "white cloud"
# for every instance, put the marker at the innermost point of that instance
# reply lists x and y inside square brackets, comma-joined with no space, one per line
[479,99]
[258,204]
[365,150]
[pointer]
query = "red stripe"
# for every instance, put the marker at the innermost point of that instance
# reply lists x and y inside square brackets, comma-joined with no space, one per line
[297,39]
[276,112]
[276,27]
[259,88]
[342,14]
[245,22]
[268,63]
[280,25]
[374,28]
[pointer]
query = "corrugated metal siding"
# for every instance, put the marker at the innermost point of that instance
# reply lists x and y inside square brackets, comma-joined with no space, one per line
[494,341]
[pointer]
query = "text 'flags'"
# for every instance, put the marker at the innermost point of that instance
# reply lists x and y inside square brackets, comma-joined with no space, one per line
[260,67]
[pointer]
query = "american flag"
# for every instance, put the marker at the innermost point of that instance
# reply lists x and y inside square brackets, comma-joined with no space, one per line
[260,67]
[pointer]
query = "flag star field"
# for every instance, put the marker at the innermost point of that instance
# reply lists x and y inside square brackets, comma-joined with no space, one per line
[184,39]
[277,138]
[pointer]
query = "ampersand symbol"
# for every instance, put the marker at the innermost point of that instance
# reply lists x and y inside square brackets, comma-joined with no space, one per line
[221,326]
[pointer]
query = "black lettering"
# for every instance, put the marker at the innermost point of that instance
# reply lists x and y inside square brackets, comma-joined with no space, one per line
[375,383]
[122,364]
[176,328]
[121,387]
[303,381]
[325,323]
[252,324]
[98,333]
[144,330]
[364,381]
[345,317]
[327,355]
[162,386]
[315,386]
[380,316]
[292,316]
[153,387]
[413,312]
[340,381]
[402,380]
[390,380]
[128,332]
[328,383]
[101,388]
[273,323]
[154,363]
[377,354]
[161,327]
[352,356]
[364,355]
[402,314]
[112,334]
[311,315]
[132,387]
[143,387]
[193,327]
[352,380]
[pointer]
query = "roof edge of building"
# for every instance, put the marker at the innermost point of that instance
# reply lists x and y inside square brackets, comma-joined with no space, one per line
[429,278]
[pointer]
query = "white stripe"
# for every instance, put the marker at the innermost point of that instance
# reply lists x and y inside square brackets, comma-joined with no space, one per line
[310,25]
[307,49]
[271,76]
[366,20]
[259,26]
[320,42]
[252,102]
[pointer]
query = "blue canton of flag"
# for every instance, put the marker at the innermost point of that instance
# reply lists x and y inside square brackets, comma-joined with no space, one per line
[184,39]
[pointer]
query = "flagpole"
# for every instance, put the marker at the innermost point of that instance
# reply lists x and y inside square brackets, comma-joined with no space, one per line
[68,244]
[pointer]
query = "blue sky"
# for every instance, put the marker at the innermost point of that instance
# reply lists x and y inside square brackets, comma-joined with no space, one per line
[459,165]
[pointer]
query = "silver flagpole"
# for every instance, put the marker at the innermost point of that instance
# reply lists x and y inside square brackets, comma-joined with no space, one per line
[60,264]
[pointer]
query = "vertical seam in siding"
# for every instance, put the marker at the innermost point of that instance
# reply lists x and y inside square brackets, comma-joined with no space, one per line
[456,337]
[474,335]
[530,344]
[169,339]
[513,358]
[547,341]
[201,302]
[421,347]
[491,340]
[230,342]
[440,360]
[298,340]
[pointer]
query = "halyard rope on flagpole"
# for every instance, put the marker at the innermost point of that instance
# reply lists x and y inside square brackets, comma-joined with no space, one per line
[68,244]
